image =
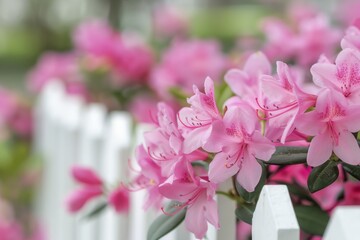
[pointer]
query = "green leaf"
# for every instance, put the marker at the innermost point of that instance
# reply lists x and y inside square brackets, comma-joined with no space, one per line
[288,155]
[200,163]
[222,93]
[323,175]
[97,210]
[165,224]
[352,170]
[252,196]
[179,95]
[312,219]
[297,190]
[245,212]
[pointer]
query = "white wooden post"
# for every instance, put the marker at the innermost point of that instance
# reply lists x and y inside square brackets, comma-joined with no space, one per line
[114,165]
[47,132]
[344,224]
[70,119]
[91,142]
[274,217]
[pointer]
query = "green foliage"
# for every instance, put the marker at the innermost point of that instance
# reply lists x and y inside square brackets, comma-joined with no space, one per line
[312,219]
[99,208]
[165,223]
[245,212]
[323,175]
[288,155]
[352,170]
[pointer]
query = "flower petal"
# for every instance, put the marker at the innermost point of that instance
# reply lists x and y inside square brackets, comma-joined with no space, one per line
[250,173]
[348,149]
[320,150]
[218,171]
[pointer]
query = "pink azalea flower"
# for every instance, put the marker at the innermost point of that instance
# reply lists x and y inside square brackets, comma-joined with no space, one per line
[78,198]
[198,197]
[242,145]
[343,76]
[332,123]
[187,63]
[119,199]
[198,120]
[352,38]
[165,143]
[86,176]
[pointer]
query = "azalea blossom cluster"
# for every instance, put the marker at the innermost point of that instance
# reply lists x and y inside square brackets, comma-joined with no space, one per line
[268,111]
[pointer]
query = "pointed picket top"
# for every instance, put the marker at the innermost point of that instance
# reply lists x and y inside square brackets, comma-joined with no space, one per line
[344,224]
[274,217]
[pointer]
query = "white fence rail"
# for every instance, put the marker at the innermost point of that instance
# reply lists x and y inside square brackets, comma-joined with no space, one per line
[69,132]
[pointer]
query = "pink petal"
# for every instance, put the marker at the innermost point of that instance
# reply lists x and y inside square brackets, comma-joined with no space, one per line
[250,173]
[211,213]
[77,199]
[348,149]
[320,150]
[119,199]
[324,75]
[256,65]
[85,175]
[215,143]
[351,121]
[240,118]
[196,138]
[195,220]
[236,79]
[261,147]
[218,171]
[309,123]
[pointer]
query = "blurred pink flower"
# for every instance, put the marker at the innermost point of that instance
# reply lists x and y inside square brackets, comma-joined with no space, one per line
[352,193]
[15,114]
[10,230]
[119,199]
[79,197]
[127,58]
[57,66]
[143,108]
[85,175]
[169,21]
[188,63]
[352,37]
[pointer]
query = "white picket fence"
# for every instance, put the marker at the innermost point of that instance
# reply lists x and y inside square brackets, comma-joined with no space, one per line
[69,131]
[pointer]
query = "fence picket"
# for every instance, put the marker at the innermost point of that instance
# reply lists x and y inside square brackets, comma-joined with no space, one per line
[91,141]
[344,224]
[274,217]
[114,165]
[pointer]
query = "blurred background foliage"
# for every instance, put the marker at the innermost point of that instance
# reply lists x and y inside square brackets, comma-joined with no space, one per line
[30,27]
